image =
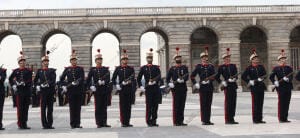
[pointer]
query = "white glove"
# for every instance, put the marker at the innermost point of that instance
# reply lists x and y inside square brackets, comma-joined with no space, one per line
[93,88]
[232,80]
[286,79]
[118,87]
[151,83]
[74,83]
[251,82]
[224,83]
[99,82]
[205,82]
[124,83]
[276,83]
[197,86]
[15,88]
[64,89]
[171,85]
[162,87]
[142,88]
[260,79]
[103,82]
[20,83]
[180,80]
[45,85]
[38,88]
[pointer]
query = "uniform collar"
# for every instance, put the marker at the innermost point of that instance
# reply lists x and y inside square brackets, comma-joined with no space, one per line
[204,64]
[124,66]
[149,65]
[22,68]
[73,66]
[178,65]
[98,66]
[45,68]
[282,65]
[254,65]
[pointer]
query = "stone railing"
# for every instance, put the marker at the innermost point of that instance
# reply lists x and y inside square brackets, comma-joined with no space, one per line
[149,11]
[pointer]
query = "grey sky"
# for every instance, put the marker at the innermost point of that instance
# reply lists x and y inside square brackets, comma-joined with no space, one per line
[54,4]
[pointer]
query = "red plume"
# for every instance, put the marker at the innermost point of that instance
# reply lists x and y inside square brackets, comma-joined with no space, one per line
[151,49]
[98,50]
[73,51]
[206,48]
[177,48]
[282,50]
[21,52]
[228,49]
[124,50]
[253,50]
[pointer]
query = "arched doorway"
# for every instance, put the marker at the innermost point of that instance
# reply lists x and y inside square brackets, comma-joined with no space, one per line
[253,38]
[201,38]
[158,41]
[294,45]
[204,37]
[10,47]
[59,45]
[109,47]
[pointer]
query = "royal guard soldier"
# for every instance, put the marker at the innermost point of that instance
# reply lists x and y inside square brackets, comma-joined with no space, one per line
[206,73]
[2,94]
[98,81]
[283,85]
[44,82]
[229,73]
[125,88]
[152,77]
[21,82]
[254,76]
[179,74]
[74,88]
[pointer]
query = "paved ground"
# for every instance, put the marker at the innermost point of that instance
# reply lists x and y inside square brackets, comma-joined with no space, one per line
[195,129]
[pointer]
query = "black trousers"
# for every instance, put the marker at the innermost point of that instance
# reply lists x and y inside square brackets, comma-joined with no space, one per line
[14,99]
[35,100]
[205,104]
[22,102]
[2,98]
[284,98]
[257,104]
[101,102]
[46,102]
[152,96]
[75,101]
[60,99]
[230,103]
[179,98]
[125,97]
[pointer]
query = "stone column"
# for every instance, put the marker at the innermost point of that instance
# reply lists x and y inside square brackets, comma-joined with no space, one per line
[34,53]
